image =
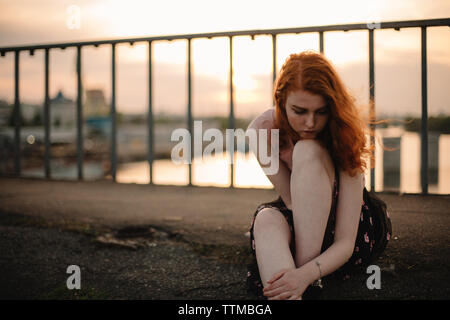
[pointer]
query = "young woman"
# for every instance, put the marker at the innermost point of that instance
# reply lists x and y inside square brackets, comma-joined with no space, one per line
[319,223]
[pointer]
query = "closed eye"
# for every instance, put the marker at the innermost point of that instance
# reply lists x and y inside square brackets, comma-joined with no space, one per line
[296,111]
[321,111]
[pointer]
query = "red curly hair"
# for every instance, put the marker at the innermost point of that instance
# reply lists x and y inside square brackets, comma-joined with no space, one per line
[344,135]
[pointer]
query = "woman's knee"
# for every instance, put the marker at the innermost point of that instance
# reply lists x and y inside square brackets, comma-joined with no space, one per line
[308,150]
[309,153]
[268,221]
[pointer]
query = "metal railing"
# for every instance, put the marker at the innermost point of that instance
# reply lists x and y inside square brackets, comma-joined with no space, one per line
[370,27]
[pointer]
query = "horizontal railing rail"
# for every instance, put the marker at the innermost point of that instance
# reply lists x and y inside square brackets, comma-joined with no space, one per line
[370,27]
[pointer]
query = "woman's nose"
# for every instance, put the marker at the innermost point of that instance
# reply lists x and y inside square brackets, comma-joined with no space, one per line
[310,121]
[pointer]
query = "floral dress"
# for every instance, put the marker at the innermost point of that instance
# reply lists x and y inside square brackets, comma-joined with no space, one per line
[363,253]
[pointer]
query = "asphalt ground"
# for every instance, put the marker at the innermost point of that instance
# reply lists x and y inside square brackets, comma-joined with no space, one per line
[174,243]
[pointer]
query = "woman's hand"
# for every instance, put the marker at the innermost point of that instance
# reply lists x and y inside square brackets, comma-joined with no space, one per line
[286,284]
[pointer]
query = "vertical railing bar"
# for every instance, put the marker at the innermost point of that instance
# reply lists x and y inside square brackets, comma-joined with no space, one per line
[17,117]
[372,105]
[151,131]
[189,105]
[231,115]
[47,119]
[113,114]
[321,41]
[274,63]
[424,126]
[79,117]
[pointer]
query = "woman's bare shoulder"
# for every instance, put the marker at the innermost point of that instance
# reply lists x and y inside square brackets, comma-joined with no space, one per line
[264,121]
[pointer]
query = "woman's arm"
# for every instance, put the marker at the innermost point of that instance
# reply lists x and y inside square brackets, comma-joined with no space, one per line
[281,179]
[347,220]
[293,282]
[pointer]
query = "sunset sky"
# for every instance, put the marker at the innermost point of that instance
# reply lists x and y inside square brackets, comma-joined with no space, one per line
[397,54]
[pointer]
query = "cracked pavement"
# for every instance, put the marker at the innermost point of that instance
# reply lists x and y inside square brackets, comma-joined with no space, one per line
[199,248]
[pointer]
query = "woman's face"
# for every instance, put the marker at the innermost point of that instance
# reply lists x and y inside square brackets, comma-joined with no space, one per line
[307,113]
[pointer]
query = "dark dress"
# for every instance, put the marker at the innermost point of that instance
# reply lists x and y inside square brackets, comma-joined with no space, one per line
[363,253]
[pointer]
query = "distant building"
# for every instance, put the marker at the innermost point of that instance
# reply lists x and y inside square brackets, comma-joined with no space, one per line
[62,111]
[95,104]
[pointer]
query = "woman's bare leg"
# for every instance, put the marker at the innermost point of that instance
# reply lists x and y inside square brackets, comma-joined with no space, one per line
[272,238]
[312,180]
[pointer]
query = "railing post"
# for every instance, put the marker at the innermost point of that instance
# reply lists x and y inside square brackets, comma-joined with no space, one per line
[79,116]
[189,105]
[47,119]
[274,64]
[372,106]
[150,139]
[17,115]
[113,114]
[321,41]
[231,115]
[424,126]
